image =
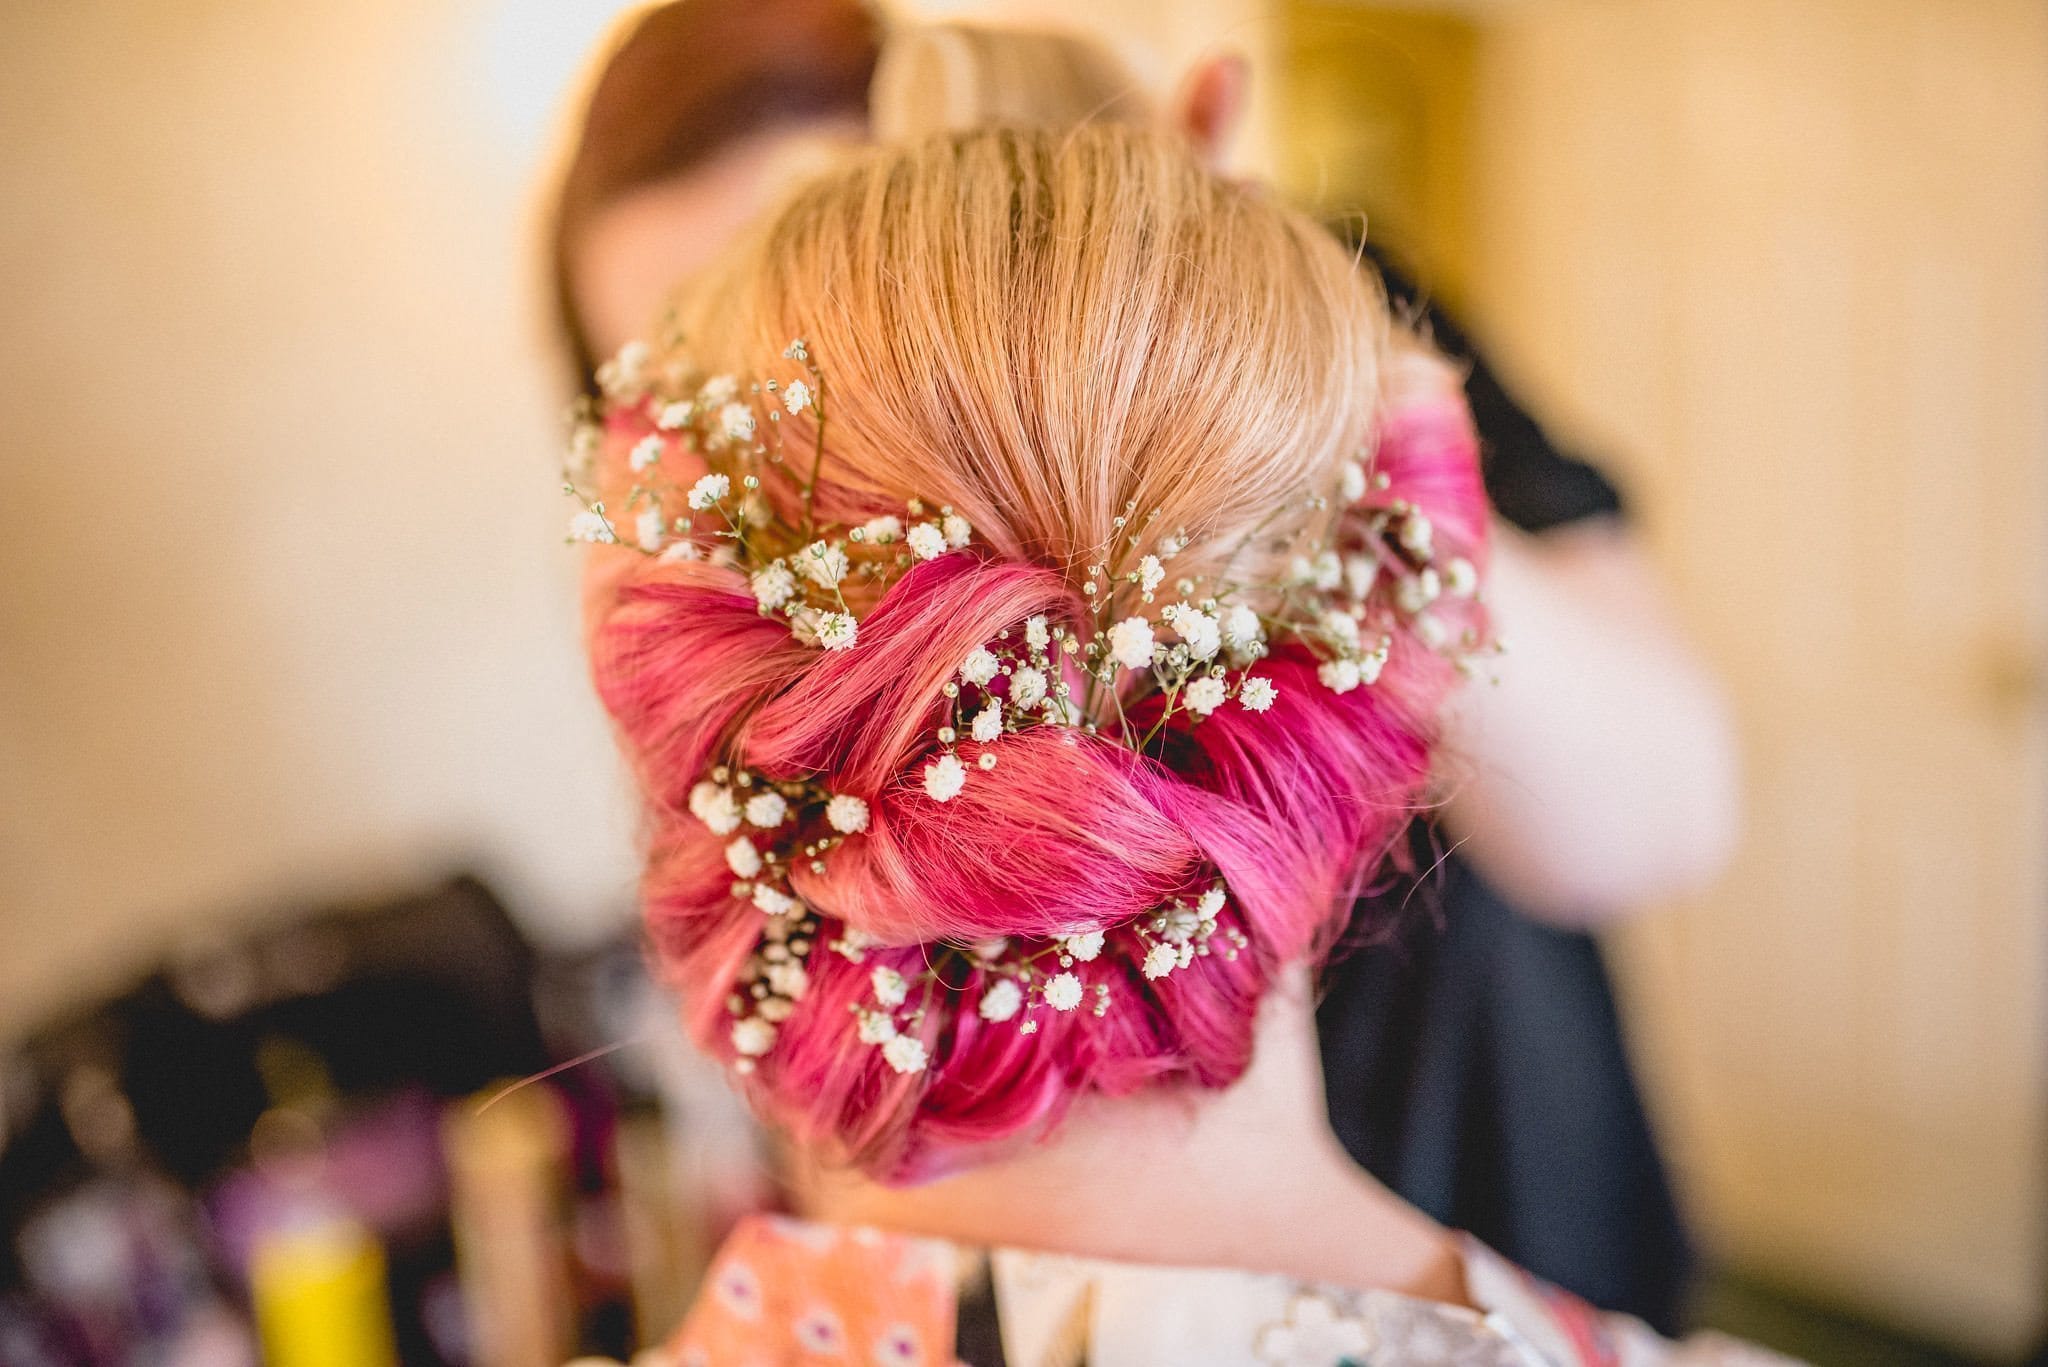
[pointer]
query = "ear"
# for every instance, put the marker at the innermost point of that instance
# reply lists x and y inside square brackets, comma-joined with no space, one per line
[1211,104]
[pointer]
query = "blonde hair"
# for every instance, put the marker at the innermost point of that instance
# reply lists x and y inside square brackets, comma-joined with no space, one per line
[1045,329]
[951,77]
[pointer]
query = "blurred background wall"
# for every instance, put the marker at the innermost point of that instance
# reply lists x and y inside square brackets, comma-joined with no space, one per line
[1789,264]
[283,611]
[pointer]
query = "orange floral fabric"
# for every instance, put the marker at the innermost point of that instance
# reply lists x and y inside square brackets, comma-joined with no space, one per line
[787,1292]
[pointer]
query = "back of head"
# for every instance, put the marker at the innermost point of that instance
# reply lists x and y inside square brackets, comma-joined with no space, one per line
[1122,687]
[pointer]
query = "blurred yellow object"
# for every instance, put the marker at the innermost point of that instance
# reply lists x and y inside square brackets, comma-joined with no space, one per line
[321,1299]
[507,1161]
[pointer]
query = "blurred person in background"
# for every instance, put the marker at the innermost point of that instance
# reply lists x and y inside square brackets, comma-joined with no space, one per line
[1473,1058]
[1030,995]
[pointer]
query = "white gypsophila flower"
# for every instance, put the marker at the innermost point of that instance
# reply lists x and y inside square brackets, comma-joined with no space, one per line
[1328,570]
[789,979]
[980,666]
[1151,573]
[1209,903]
[1027,687]
[905,1054]
[767,810]
[774,901]
[1340,676]
[1353,487]
[742,858]
[882,531]
[584,443]
[1257,693]
[721,812]
[775,1010]
[1063,992]
[717,390]
[752,1037]
[625,373]
[1460,579]
[707,491]
[679,551]
[944,777]
[1130,643]
[590,525]
[837,630]
[1430,630]
[890,988]
[1359,572]
[1241,627]
[736,422]
[1376,660]
[1204,695]
[1002,1000]
[1316,1335]
[846,814]
[1417,533]
[1161,960]
[823,563]
[702,794]
[853,945]
[1083,945]
[956,529]
[1418,591]
[675,415]
[1342,627]
[647,529]
[773,585]
[927,542]
[797,397]
[876,1027]
[1198,631]
[647,451]
[1037,632]
[988,723]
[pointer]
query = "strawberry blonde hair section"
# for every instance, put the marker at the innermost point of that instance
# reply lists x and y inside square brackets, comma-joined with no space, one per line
[1055,333]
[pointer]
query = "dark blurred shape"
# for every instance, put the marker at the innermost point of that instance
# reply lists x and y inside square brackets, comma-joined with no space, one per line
[688,80]
[250,1087]
[1474,1061]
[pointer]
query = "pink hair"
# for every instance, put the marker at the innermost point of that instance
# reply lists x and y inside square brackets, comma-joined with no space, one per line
[1296,807]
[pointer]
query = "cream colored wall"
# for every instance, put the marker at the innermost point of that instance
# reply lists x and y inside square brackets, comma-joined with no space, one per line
[1788,264]
[283,606]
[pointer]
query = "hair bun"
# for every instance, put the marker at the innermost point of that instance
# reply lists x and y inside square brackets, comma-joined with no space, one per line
[958,815]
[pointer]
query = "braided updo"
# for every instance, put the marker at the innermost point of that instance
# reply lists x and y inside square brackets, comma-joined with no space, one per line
[1084,344]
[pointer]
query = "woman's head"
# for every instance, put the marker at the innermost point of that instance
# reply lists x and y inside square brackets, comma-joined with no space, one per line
[1133,400]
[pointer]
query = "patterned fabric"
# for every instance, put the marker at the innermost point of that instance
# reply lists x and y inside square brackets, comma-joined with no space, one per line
[785,1293]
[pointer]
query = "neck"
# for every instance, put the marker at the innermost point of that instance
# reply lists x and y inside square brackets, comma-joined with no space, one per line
[1248,1177]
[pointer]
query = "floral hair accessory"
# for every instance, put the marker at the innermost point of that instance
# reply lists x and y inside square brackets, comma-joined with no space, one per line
[798,569]
[1147,652]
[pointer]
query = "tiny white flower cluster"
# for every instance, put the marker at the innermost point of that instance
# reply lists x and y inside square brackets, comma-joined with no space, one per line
[800,574]
[773,826]
[1184,931]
